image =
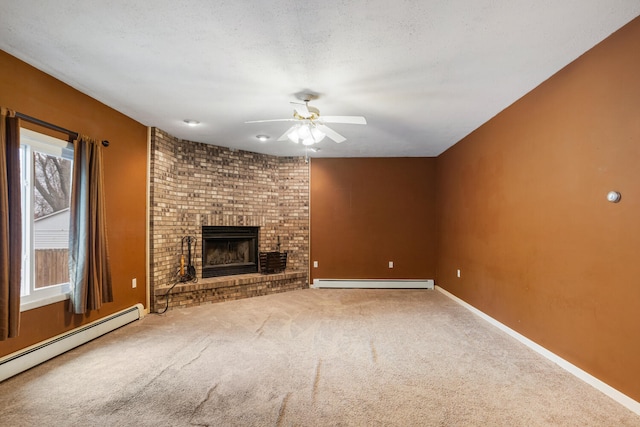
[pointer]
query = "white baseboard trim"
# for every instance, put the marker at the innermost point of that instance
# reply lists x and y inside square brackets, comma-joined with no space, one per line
[374,283]
[603,387]
[21,360]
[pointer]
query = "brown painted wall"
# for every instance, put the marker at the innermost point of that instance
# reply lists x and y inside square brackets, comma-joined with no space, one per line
[366,212]
[29,91]
[523,214]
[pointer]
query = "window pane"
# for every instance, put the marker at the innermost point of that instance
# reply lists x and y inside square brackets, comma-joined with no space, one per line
[51,194]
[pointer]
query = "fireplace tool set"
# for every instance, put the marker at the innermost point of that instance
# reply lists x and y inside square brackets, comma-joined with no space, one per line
[187,271]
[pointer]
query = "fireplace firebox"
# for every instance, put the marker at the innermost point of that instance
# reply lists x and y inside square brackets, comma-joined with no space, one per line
[229,250]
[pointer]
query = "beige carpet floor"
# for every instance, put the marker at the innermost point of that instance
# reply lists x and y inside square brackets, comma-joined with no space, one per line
[336,357]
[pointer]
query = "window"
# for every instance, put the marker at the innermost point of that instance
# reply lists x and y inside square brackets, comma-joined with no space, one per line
[46,166]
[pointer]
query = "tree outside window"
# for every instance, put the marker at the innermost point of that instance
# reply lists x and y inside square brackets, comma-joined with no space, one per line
[52,184]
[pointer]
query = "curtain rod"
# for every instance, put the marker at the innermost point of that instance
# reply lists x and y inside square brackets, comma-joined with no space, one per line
[72,134]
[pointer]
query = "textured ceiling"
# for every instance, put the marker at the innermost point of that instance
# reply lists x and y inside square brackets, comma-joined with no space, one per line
[424,73]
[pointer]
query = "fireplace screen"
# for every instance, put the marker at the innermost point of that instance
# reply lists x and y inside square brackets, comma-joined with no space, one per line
[229,250]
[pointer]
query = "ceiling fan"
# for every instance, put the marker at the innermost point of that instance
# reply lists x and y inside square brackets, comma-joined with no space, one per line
[310,127]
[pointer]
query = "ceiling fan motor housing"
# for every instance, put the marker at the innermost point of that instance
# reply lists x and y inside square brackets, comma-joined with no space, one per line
[314,113]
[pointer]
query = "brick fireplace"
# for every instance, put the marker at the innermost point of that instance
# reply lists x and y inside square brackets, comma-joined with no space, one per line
[194,186]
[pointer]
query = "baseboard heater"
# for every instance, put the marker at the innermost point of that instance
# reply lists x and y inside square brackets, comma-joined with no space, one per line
[374,283]
[29,357]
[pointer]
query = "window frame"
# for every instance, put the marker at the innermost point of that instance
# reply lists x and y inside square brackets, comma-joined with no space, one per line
[30,141]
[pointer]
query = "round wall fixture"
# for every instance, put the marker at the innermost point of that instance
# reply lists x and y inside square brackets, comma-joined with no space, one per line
[191,122]
[263,138]
[613,196]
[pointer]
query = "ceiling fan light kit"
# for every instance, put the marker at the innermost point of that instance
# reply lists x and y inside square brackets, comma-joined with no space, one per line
[311,127]
[305,133]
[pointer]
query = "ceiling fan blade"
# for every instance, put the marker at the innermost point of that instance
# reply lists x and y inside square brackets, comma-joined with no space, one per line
[330,133]
[272,120]
[285,136]
[352,120]
[301,109]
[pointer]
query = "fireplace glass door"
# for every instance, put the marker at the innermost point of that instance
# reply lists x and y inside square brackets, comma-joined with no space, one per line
[229,250]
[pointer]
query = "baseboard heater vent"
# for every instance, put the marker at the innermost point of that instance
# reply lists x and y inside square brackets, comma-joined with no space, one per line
[374,283]
[29,357]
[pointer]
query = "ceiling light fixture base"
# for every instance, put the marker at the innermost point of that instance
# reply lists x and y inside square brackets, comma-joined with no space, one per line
[306,95]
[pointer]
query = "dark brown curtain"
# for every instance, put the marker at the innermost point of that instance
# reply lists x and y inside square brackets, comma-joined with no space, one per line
[10,225]
[89,268]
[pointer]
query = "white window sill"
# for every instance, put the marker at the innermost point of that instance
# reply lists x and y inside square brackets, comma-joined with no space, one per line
[35,303]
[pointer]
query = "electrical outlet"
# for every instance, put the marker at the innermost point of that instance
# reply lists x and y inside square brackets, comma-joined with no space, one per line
[458,272]
[134,282]
[315,264]
[390,264]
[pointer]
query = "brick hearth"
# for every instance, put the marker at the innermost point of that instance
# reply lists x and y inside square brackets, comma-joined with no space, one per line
[194,184]
[229,288]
